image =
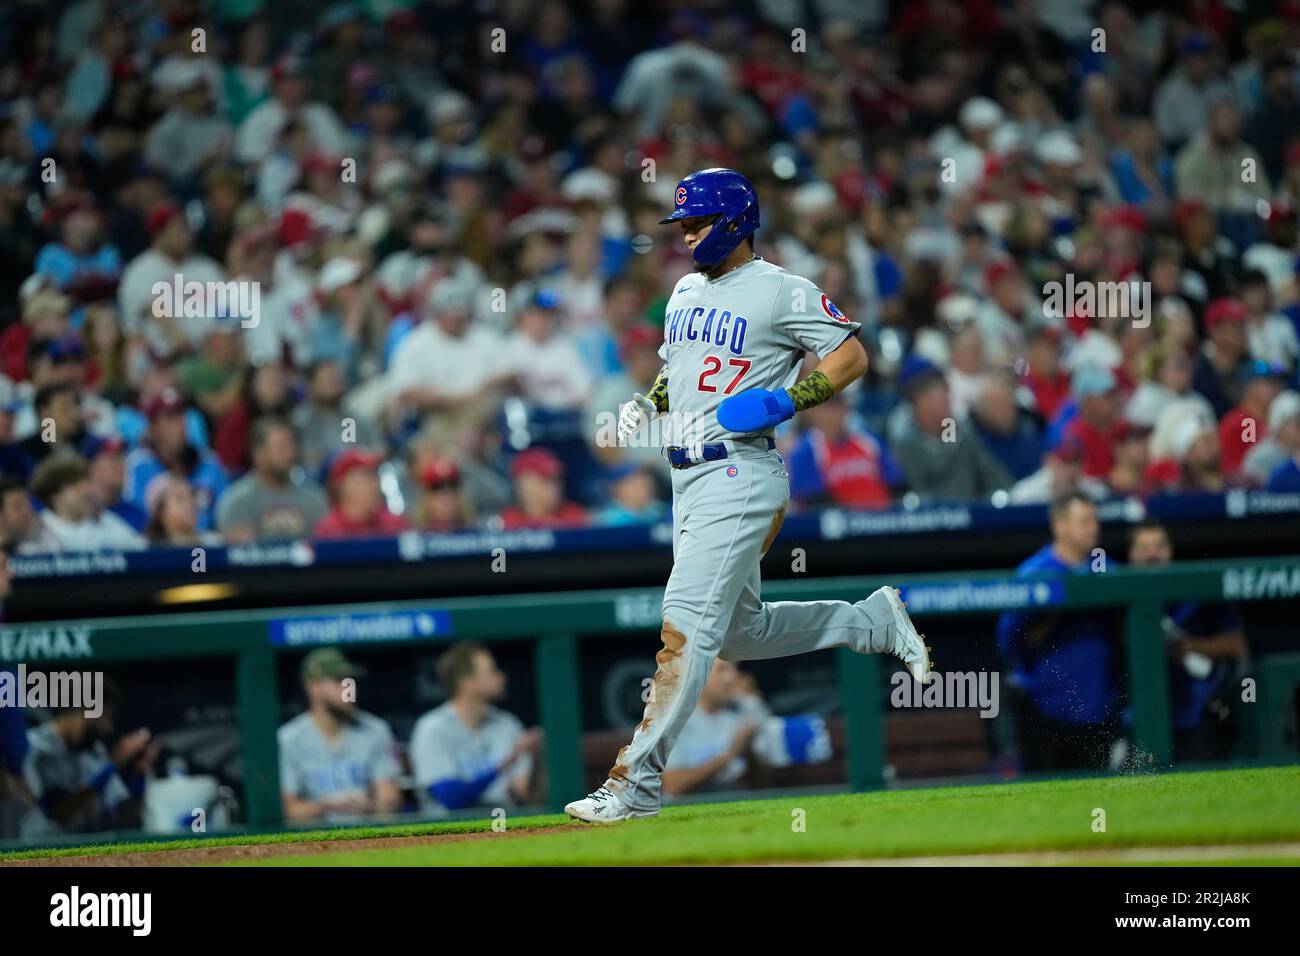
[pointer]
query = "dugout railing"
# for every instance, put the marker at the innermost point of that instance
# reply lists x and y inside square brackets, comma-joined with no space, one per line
[554,623]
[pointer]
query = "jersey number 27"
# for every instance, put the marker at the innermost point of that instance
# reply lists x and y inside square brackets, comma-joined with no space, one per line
[713,365]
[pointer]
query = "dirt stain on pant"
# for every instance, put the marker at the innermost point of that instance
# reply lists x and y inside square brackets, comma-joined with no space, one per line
[668,672]
[778,519]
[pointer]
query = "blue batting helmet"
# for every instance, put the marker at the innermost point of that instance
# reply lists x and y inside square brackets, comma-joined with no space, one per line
[717,192]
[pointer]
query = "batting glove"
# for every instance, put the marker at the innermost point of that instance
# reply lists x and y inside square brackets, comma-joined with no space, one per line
[755,410]
[633,415]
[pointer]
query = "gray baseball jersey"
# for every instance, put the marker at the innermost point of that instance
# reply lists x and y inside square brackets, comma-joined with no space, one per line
[444,748]
[51,768]
[316,769]
[748,329]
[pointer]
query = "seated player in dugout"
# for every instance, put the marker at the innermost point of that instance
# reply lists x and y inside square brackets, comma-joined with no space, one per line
[469,752]
[336,760]
[1207,652]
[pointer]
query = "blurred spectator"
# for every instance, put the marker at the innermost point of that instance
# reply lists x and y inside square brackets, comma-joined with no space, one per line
[108,480]
[837,462]
[1062,471]
[1199,168]
[166,448]
[171,254]
[539,494]
[1182,101]
[72,515]
[633,495]
[264,390]
[941,458]
[345,310]
[260,129]
[1274,121]
[1195,464]
[469,752]
[1128,476]
[1064,663]
[21,529]
[61,428]
[1097,418]
[174,515]
[322,423]
[44,319]
[79,783]
[1241,427]
[270,503]
[1042,371]
[190,138]
[15,798]
[1281,443]
[545,360]
[359,509]
[1005,429]
[1166,378]
[336,760]
[639,351]
[1270,336]
[214,378]
[1206,644]
[443,504]
[81,262]
[447,368]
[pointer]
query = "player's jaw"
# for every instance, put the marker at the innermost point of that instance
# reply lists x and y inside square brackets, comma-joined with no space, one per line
[696,229]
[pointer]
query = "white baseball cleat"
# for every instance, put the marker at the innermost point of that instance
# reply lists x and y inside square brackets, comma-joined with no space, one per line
[603,807]
[909,646]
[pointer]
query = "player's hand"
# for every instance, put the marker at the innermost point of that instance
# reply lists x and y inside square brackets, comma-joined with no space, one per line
[131,748]
[632,415]
[744,738]
[755,410]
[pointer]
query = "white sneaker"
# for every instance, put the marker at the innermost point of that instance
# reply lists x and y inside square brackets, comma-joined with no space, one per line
[909,646]
[603,807]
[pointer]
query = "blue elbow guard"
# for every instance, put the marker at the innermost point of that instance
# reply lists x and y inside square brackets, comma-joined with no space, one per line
[755,410]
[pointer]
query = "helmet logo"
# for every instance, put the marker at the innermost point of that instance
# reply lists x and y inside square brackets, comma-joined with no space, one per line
[681,195]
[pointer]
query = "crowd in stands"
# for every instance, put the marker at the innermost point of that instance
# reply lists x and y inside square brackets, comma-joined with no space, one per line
[448,213]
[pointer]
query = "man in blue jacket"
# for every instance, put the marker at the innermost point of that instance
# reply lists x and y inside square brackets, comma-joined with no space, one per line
[1067,697]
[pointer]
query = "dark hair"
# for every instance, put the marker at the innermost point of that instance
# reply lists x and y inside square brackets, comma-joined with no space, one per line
[47,393]
[1062,501]
[1146,524]
[262,428]
[8,485]
[457,663]
[56,473]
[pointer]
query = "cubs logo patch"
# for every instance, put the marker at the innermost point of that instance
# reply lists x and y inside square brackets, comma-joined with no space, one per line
[732,471]
[831,309]
[681,195]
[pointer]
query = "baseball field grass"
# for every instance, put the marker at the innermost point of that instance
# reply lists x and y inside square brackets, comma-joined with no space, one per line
[1249,816]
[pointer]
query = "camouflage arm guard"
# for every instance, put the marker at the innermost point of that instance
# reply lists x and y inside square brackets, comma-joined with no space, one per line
[813,390]
[659,391]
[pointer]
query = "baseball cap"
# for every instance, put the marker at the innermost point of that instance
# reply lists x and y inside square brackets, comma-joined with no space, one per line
[980,112]
[1058,148]
[451,295]
[1284,407]
[337,273]
[641,335]
[538,461]
[1224,310]
[351,460]
[160,216]
[1092,380]
[997,270]
[328,663]
[439,472]
[165,402]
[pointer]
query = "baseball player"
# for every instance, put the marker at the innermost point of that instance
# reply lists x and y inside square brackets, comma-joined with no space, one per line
[735,333]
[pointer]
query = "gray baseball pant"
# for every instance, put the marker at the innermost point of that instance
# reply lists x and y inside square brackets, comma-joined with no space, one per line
[722,526]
